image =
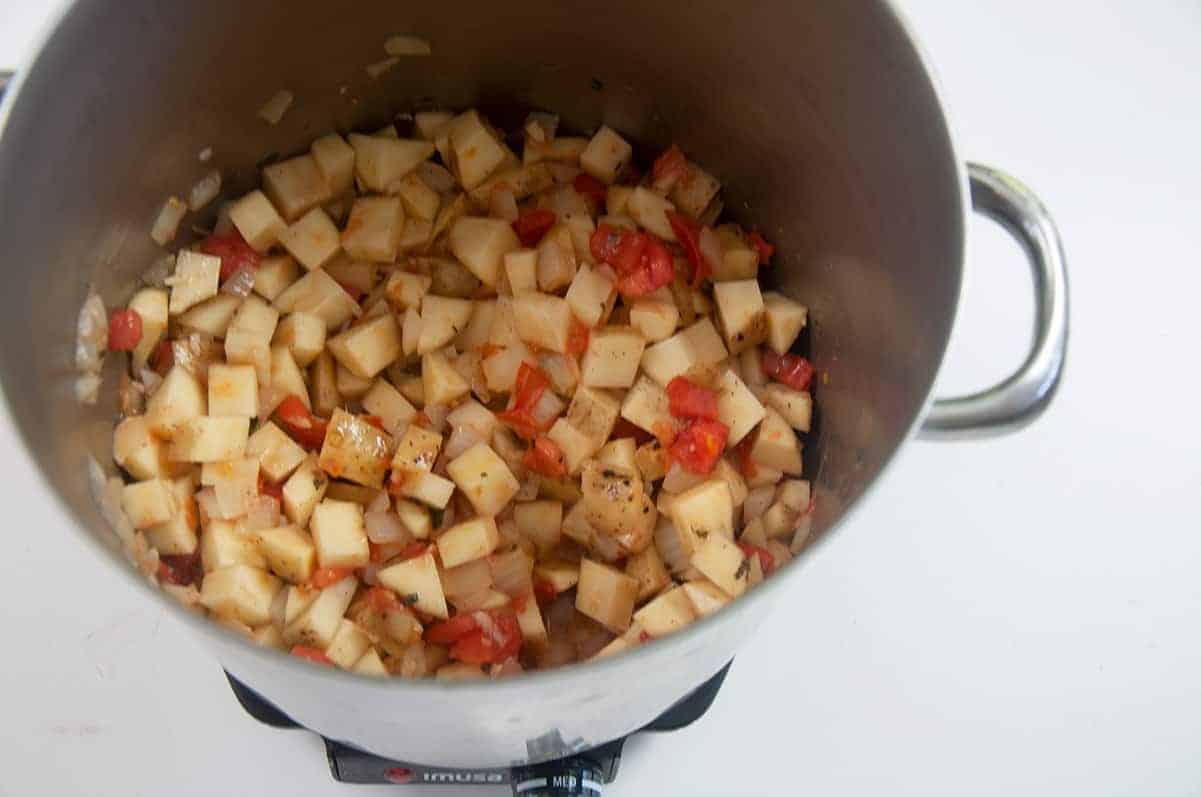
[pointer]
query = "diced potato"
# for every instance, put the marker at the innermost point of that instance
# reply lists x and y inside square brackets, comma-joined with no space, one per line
[420,201]
[564,149]
[785,320]
[138,451]
[556,259]
[647,407]
[794,494]
[723,563]
[697,347]
[647,567]
[655,316]
[269,636]
[240,592]
[540,522]
[355,450]
[521,268]
[474,151]
[441,383]
[385,402]
[235,484]
[233,390]
[558,574]
[248,339]
[606,595]
[286,375]
[416,581]
[484,478]
[794,406]
[764,475]
[151,305]
[317,625]
[369,347]
[317,294]
[704,511]
[312,239]
[257,220]
[204,439]
[148,503]
[289,552]
[737,406]
[739,261]
[195,280]
[591,295]
[274,275]
[576,526]
[779,520]
[693,192]
[606,155]
[415,518]
[371,664]
[212,316]
[651,462]
[339,534]
[350,385]
[373,231]
[529,619]
[417,449]
[741,313]
[277,454]
[543,320]
[679,479]
[706,597]
[380,163]
[323,384]
[466,542]
[481,244]
[430,124]
[349,644]
[615,504]
[295,186]
[428,488]
[303,490]
[406,290]
[618,452]
[612,357]
[776,445]
[650,211]
[666,614]
[222,545]
[442,319]
[335,160]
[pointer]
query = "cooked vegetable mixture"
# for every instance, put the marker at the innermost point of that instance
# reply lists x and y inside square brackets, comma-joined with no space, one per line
[420,407]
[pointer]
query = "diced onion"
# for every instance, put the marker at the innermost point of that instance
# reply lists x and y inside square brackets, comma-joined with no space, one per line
[502,204]
[668,543]
[274,109]
[437,415]
[166,224]
[679,479]
[150,381]
[91,334]
[385,527]
[437,177]
[461,438]
[380,67]
[279,605]
[511,573]
[210,507]
[106,492]
[710,246]
[240,282]
[381,503]
[205,155]
[87,389]
[406,45]
[371,573]
[262,513]
[205,190]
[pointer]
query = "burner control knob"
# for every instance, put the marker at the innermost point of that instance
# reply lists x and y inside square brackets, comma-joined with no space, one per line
[569,777]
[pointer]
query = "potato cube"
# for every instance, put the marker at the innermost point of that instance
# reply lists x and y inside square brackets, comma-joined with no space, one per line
[606,595]
[212,316]
[257,220]
[148,503]
[697,347]
[739,261]
[233,391]
[442,319]
[241,593]
[335,160]
[484,478]
[151,305]
[248,339]
[481,244]
[676,546]
[466,542]
[415,518]
[706,597]
[723,563]
[139,452]
[317,625]
[194,280]
[704,511]
[369,347]
[204,439]
[560,575]
[616,505]
[737,406]
[612,357]
[373,231]
[564,149]
[371,664]
[655,315]
[312,239]
[287,377]
[420,201]
[648,569]
[543,320]
[274,275]
[785,320]
[666,614]
[355,450]
[277,454]
[647,407]
[339,535]
[349,644]
[295,186]
[556,259]
[441,383]
[651,461]
[606,155]
[479,328]
[428,488]
[386,403]
[794,406]
[303,490]
[323,384]
[317,294]
[474,151]
[529,619]
[416,581]
[619,453]
[289,552]
[406,290]
[417,449]
[650,211]
[540,522]
[223,545]
[521,268]
[380,163]
[779,520]
[694,192]
[741,313]
[725,471]
[776,445]
[591,295]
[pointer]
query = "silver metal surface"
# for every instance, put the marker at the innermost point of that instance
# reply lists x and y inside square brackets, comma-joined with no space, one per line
[1023,396]
[820,117]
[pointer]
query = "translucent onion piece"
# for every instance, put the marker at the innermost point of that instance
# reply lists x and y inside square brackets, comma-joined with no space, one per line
[462,438]
[437,414]
[166,224]
[240,282]
[205,190]
[274,109]
[511,572]
[437,177]
[106,491]
[406,45]
[381,503]
[87,389]
[371,573]
[91,334]
[385,527]
[502,204]
[674,555]
[710,246]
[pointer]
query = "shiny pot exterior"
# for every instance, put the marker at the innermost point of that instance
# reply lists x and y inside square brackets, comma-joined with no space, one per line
[819,116]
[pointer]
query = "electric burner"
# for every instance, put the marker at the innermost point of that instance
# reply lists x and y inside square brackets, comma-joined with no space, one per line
[580,774]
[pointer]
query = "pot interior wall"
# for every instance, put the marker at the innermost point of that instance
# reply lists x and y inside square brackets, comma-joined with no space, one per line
[817,116]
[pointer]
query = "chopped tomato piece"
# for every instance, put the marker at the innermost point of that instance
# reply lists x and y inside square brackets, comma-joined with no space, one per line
[311,654]
[689,400]
[669,167]
[326,576]
[163,358]
[664,432]
[577,338]
[544,590]
[233,251]
[528,388]
[590,187]
[450,631]
[644,636]
[124,330]
[688,233]
[642,262]
[479,637]
[545,457]
[790,369]
[272,489]
[699,445]
[603,242]
[181,569]
[764,249]
[375,421]
[743,451]
[767,562]
[383,600]
[304,427]
[532,224]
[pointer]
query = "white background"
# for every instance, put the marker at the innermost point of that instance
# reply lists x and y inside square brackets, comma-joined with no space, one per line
[1017,616]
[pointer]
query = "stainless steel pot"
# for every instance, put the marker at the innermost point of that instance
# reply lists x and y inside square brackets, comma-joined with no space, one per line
[821,117]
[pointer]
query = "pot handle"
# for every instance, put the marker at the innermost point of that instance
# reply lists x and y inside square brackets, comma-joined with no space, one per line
[1021,398]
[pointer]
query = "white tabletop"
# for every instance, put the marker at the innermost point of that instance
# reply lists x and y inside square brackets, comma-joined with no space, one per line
[1015,616]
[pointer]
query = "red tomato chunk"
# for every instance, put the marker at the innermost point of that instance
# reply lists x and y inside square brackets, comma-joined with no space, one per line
[233,251]
[699,445]
[689,400]
[789,369]
[124,330]
[531,225]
